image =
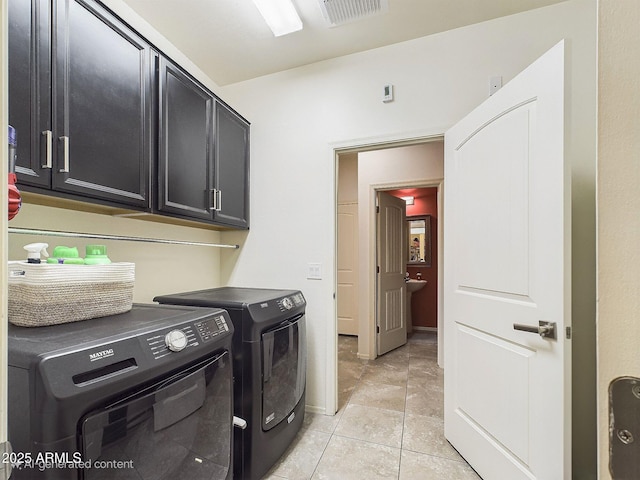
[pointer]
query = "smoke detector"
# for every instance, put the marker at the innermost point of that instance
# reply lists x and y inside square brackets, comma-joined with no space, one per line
[337,12]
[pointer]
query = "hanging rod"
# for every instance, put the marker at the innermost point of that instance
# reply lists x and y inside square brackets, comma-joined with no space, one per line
[57,233]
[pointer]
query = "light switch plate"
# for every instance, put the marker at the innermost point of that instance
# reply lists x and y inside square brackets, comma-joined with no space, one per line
[314,271]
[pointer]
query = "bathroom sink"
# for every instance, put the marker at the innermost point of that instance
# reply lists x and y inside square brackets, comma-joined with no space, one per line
[414,285]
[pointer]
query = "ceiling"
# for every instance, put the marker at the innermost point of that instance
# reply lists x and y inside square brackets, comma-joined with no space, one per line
[230,42]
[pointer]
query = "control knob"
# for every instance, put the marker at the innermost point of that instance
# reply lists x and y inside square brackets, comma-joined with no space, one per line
[287,303]
[175,340]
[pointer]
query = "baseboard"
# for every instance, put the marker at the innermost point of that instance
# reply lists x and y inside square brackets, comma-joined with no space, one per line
[425,329]
[315,409]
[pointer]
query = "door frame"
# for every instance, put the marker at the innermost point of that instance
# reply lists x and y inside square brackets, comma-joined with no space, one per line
[367,338]
[373,277]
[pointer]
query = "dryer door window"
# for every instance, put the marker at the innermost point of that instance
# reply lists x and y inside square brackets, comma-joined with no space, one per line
[283,370]
[179,427]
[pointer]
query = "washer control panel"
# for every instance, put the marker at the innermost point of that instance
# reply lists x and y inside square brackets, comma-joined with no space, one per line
[179,338]
[209,329]
[164,343]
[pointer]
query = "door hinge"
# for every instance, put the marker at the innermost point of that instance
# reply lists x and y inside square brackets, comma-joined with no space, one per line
[568,332]
[377,268]
[377,328]
[377,209]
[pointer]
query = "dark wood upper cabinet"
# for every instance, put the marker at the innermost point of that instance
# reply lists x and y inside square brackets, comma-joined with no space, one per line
[103,106]
[232,167]
[203,169]
[80,90]
[102,117]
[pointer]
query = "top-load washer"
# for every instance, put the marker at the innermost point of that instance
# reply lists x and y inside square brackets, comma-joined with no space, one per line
[146,394]
[269,363]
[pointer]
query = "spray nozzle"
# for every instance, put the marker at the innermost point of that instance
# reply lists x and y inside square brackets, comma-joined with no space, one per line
[35,250]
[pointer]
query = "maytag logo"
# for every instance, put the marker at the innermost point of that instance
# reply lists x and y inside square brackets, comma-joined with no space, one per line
[100,355]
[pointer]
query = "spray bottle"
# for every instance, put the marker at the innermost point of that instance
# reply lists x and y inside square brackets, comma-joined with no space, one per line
[14,197]
[35,250]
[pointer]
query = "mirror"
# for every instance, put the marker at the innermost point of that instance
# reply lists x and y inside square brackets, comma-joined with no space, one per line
[419,235]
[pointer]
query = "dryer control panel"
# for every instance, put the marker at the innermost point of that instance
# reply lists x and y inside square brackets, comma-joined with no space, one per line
[287,303]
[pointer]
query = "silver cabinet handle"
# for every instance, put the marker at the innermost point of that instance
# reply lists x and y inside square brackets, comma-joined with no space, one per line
[544,329]
[213,205]
[48,147]
[65,154]
[219,205]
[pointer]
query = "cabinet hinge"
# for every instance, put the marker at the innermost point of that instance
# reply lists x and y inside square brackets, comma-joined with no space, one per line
[568,332]
[377,328]
[377,268]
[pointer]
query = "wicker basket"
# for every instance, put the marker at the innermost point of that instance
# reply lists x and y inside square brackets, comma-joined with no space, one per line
[51,294]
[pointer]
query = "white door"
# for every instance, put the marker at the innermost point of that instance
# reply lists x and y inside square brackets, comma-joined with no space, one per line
[391,309]
[348,306]
[507,261]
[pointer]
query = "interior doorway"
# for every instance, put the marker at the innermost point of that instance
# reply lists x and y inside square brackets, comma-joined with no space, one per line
[361,172]
[422,256]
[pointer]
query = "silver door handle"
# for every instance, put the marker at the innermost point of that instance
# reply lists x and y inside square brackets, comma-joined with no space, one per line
[48,146]
[544,329]
[65,154]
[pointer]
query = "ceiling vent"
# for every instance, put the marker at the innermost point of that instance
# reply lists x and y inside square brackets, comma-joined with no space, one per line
[337,12]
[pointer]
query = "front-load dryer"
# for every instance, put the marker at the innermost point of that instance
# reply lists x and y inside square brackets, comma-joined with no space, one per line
[269,363]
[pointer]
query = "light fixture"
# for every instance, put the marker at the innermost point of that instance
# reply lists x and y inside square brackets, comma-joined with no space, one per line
[408,200]
[280,15]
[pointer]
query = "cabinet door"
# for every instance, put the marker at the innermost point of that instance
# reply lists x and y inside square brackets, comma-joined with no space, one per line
[30,88]
[232,168]
[185,168]
[103,101]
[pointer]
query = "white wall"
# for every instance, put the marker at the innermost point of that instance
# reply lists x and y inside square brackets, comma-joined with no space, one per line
[299,116]
[160,268]
[618,204]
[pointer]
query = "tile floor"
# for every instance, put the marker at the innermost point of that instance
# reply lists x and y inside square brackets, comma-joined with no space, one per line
[389,424]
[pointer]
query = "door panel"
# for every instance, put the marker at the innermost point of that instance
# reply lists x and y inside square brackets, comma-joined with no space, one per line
[231,167]
[497,258]
[507,237]
[391,289]
[185,152]
[348,306]
[103,104]
[30,87]
[487,400]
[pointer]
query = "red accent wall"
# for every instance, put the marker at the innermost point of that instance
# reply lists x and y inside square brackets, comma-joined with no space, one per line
[424,304]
